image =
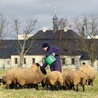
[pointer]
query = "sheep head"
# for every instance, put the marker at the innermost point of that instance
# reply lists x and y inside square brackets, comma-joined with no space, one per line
[43,70]
[3,80]
[37,64]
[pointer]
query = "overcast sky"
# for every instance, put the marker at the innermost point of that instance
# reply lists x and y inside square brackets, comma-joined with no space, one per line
[43,10]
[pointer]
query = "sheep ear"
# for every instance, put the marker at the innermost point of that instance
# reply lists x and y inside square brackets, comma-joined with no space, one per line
[37,64]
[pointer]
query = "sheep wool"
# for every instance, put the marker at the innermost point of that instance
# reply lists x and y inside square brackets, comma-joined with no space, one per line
[90,73]
[26,77]
[74,78]
[10,77]
[53,79]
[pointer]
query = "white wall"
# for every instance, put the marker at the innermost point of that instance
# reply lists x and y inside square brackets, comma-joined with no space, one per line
[68,60]
[8,63]
[38,59]
[5,63]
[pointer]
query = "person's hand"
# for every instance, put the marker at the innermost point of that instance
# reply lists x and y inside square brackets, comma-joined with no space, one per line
[53,54]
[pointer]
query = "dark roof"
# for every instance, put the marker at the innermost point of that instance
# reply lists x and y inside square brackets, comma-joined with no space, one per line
[84,56]
[43,35]
[70,34]
[8,48]
[54,39]
[67,44]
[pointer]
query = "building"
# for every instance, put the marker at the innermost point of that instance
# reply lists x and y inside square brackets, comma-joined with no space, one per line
[66,40]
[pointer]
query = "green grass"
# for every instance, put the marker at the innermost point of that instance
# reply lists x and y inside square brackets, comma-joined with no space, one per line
[90,92]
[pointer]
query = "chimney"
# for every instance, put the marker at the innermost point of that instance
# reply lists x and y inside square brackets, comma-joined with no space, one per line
[44,29]
[24,36]
[65,29]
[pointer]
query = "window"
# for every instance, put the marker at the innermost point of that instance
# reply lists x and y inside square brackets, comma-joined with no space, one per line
[16,61]
[63,60]
[24,60]
[8,61]
[33,60]
[72,61]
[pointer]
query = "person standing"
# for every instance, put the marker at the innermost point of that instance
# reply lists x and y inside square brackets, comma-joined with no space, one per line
[56,52]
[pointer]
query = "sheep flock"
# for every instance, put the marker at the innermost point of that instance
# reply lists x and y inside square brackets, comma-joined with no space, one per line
[52,80]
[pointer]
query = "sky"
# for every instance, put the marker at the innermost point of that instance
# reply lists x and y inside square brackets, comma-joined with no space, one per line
[43,10]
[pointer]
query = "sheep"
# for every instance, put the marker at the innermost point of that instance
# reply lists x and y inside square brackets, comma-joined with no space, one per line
[53,79]
[65,70]
[90,73]
[74,78]
[28,77]
[10,75]
[34,67]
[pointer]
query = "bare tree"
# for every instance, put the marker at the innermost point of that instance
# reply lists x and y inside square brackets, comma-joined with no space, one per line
[62,23]
[87,28]
[4,31]
[3,26]
[23,46]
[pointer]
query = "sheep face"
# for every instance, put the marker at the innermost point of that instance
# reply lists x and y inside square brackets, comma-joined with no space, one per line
[3,80]
[37,64]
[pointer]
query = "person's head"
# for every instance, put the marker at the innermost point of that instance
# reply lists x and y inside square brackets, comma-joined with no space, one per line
[45,46]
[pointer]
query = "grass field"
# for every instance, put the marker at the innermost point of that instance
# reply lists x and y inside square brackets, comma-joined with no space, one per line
[90,92]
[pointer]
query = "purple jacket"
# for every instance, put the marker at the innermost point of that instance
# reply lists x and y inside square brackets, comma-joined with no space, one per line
[57,66]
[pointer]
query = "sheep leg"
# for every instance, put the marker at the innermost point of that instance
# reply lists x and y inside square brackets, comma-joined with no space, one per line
[21,86]
[52,87]
[60,86]
[8,84]
[31,86]
[43,84]
[89,82]
[77,88]
[83,88]
[69,87]
[86,82]
[47,86]
[11,85]
[36,87]
[72,87]
[18,86]
[56,86]
[64,87]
